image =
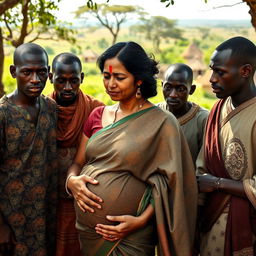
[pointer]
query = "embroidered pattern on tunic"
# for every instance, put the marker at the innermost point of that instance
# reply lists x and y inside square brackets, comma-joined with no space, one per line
[235,158]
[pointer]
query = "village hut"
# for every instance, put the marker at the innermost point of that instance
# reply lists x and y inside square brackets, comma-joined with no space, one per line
[90,56]
[194,58]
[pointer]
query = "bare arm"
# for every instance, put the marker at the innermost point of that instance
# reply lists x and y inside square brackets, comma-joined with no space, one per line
[209,183]
[79,160]
[76,183]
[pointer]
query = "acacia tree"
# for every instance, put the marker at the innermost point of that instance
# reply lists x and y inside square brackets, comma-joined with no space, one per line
[110,17]
[30,20]
[157,28]
[251,3]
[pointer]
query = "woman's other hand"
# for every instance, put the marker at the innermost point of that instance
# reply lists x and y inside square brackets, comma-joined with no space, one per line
[127,224]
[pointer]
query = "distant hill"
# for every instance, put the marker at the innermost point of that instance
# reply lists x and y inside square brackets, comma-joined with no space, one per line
[181,23]
[214,23]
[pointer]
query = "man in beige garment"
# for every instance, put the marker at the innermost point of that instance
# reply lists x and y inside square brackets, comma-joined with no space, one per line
[177,86]
[227,164]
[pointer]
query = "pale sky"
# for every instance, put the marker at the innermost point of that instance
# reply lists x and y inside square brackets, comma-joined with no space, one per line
[194,9]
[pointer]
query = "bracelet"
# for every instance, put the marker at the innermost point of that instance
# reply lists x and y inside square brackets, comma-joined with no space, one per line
[66,185]
[217,183]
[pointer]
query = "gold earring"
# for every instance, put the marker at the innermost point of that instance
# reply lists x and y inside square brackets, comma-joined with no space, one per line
[138,93]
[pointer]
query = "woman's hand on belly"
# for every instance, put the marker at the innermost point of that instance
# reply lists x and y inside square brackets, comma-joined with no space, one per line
[127,224]
[86,200]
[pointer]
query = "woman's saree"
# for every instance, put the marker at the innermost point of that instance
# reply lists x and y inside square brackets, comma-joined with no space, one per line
[141,156]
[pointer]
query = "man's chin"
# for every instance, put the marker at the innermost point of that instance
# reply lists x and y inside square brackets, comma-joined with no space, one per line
[66,101]
[174,107]
[220,96]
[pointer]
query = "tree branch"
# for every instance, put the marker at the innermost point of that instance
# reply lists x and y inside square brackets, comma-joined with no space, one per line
[10,36]
[7,4]
[23,32]
[227,5]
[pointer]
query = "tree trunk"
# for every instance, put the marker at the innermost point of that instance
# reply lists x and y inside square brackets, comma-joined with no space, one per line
[156,44]
[2,92]
[252,12]
[114,38]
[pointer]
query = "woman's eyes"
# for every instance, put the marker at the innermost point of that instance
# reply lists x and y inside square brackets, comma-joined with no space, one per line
[117,78]
[120,78]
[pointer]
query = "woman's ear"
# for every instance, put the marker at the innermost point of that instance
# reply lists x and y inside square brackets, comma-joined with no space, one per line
[139,82]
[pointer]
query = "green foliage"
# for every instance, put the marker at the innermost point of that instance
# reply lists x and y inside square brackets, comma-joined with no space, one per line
[208,54]
[158,27]
[9,82]
[172,55]
[182,42]
[109,16]
[73,50]
[103,43]
[34,18]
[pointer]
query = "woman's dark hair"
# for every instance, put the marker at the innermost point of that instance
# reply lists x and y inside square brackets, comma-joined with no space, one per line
[137,62]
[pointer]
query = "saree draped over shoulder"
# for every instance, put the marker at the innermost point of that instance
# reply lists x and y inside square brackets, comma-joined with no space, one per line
[28,176]
[141,154]
[192,125]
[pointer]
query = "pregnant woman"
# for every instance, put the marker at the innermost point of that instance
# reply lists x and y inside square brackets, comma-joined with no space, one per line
[142,164]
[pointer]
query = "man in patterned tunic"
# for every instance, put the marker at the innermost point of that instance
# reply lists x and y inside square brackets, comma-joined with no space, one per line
[28,176]
[74,108]
[177,86]
[227,163]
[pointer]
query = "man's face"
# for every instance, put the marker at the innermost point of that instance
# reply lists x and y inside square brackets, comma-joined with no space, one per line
[31,73]
[66,80]
[176,89]
[226,78]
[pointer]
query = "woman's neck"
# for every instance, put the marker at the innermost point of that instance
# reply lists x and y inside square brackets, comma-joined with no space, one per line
[132,106]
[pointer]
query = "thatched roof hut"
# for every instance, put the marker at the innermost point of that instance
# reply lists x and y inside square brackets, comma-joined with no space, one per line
[194,58]
[90,56]
[192,52]
[162,69]
[204,81]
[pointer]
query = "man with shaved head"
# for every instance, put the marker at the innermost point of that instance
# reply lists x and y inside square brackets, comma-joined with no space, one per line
[28,176]
[177,86]
[74,108]
[227,164]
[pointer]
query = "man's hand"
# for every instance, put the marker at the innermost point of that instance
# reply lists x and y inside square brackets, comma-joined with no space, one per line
[207,183]
[84,197]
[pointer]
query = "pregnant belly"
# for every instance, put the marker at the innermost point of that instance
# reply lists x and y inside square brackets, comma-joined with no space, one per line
[121,194]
